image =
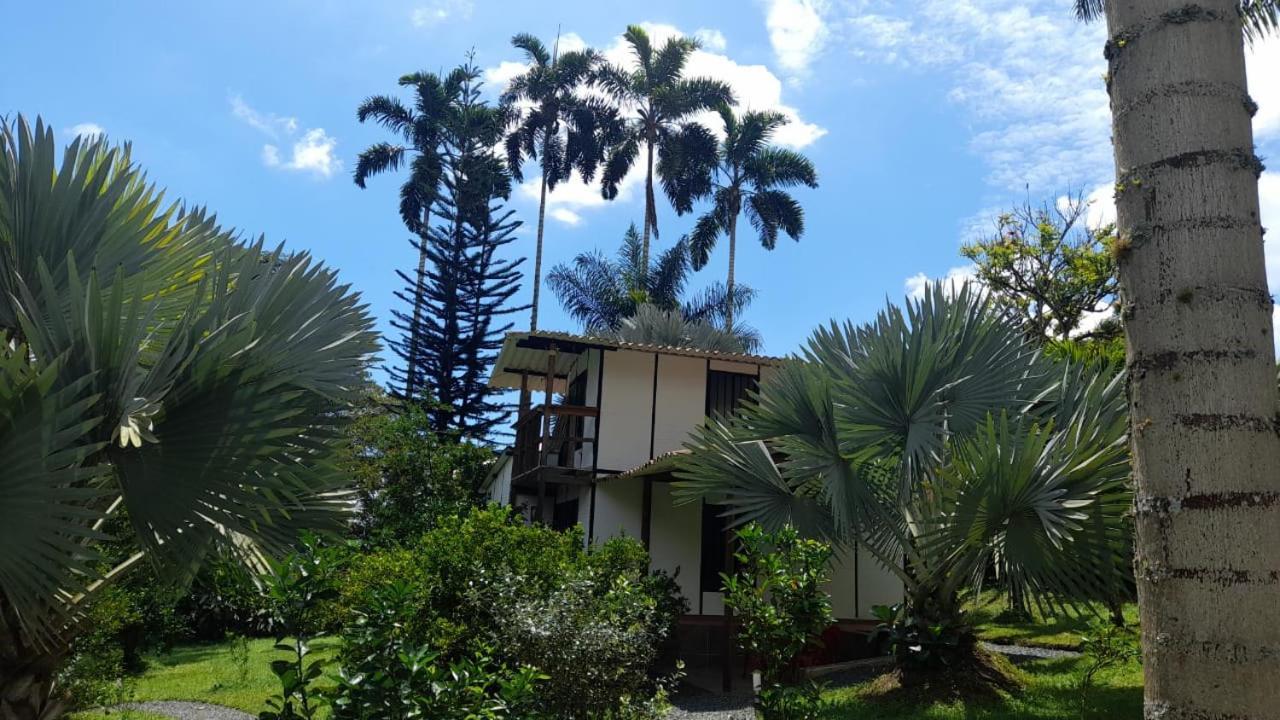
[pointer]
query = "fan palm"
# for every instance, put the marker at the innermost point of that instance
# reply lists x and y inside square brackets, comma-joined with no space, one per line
[652,325]
[1200,340]
[663,101]
[748,175]
[557,124]
[600,292]
[936,439]
[421,129]
[152,365]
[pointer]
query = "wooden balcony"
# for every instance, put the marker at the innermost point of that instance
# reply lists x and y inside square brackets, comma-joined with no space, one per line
[547,439]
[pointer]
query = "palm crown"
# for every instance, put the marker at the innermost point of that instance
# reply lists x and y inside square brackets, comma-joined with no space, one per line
[745,173]
[662,101]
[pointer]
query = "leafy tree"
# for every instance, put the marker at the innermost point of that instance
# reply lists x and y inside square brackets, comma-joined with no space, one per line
[468,286]
[150,363]
[659,102]
[651,325]
[747,174]
[1200,349]
[1051,272]
[408,476]
[601,293]
[421,128]
[942,442]
[554,122]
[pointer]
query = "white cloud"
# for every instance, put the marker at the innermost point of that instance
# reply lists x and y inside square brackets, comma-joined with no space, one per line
[711,39]
[1264,86]
[566,216]
[313,152]
[439,11]
[86,130]
[797,31]
[917,284]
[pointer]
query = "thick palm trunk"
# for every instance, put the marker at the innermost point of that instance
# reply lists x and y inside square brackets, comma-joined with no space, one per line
[28,690]
[1197,318]
[650,207]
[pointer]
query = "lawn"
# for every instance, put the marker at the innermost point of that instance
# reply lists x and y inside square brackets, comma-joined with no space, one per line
[1063,632]
[213,674]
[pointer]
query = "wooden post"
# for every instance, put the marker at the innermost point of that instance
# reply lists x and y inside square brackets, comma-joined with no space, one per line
[545,440]
[726,680]
[646,511]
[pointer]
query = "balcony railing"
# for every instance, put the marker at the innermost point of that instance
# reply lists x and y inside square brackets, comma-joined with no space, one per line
[548,436]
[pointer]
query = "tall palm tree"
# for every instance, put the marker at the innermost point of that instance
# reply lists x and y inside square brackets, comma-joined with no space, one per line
[151,364]
[748,175]
[939,441]
[556,123]
[601,292]
[1198,327]
[421,130]
[662,101]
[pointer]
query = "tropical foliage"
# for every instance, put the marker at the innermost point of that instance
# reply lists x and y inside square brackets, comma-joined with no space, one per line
[938,439]
[657,103]
[745,174]
[150,363]
[654,326]
[601,293]
[555,122]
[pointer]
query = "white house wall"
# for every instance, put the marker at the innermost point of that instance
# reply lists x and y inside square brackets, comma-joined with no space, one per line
[500,490]
[876,586]
[618,509]
[682,401]
[675,539]
[626,409]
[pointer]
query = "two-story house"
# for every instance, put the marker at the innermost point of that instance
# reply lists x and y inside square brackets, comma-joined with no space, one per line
[603,457]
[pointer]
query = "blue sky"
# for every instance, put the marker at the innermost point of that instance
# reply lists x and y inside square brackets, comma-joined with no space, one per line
[924,120]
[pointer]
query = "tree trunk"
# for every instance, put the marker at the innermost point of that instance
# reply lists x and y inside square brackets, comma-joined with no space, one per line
[537,258]
[1202,389]
[733,252]
[28,690]
[650,206]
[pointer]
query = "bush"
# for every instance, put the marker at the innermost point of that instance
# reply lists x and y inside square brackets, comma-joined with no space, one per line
[225,599]
[487,586]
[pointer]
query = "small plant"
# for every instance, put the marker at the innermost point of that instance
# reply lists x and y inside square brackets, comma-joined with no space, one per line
[916,641]
[296,587]
[1107,646]
[777,594]
[238,646]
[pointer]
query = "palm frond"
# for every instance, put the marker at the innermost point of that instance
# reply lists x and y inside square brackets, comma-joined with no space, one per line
[388,112]
[532,47]
[377,159]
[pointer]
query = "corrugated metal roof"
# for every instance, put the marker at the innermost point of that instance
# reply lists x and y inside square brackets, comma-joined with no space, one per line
[665,462]
[513,359]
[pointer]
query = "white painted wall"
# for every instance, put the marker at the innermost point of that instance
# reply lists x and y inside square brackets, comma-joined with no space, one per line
[682,401]
[618,508]
[500,489]
[626,408]
[675,539]
[876,586]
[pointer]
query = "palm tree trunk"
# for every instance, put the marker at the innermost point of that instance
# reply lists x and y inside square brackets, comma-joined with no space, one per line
[537,258]
[650,206]
[1197,318]
[733,252]
[28,688]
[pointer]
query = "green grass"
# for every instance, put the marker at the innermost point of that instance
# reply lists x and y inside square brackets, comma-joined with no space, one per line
[1052,693]
[211,673]
[1062,632]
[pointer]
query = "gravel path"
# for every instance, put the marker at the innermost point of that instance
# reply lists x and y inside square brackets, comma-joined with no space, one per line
[180,710]
[1020,652]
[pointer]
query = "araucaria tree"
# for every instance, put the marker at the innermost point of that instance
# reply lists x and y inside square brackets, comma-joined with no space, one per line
[468,285]
[554,122]
[657,102]
[943,443]
[601,292]
[151,365]
[1200,352]
[748,174]
[420,129]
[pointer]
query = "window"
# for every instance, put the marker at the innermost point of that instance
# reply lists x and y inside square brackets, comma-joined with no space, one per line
[565,515]
[726,389]
[713,548]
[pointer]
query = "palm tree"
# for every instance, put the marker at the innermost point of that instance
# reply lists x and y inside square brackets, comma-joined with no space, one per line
[556,123]
[152,365]
[601,292]
[421,128]
[663,100]
[748,175]
[939,441]
[652,325]
[1198,326]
